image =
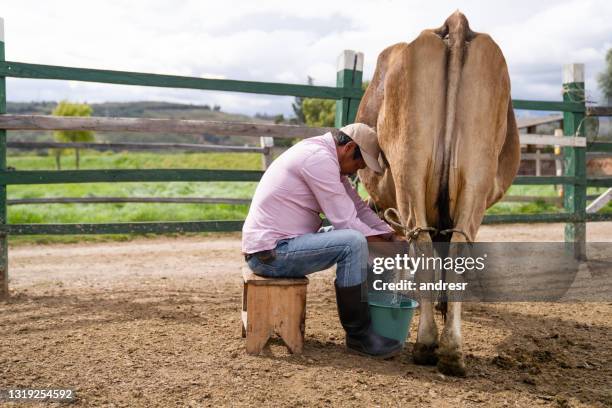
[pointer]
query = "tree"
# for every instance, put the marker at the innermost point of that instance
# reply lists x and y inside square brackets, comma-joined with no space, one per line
[605,78]
[321,112]
[297,106]
[65,108]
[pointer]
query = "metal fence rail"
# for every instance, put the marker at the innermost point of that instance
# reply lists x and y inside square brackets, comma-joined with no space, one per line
[37,71]
[117,200]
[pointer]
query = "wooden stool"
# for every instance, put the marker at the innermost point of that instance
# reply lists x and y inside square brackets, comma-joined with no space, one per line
[273,305]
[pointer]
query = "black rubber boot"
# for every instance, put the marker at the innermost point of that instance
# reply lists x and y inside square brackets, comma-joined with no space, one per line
[355,318]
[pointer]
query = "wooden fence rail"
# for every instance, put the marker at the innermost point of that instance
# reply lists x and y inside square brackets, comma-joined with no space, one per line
[138,146]
[181,126]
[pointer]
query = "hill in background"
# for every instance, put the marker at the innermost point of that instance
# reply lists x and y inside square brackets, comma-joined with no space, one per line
[165,110]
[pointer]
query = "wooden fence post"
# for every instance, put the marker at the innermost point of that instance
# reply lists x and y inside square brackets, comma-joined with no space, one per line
[3,219]
[266,158]
[574,195]
[349,75]
[538,161]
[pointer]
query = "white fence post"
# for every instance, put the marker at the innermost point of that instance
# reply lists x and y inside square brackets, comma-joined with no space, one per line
[538,161]
[267,143]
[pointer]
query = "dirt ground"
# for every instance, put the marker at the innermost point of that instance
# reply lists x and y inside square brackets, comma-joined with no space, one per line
[156,322]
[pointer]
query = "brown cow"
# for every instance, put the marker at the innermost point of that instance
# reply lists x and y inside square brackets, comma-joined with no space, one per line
[442,109]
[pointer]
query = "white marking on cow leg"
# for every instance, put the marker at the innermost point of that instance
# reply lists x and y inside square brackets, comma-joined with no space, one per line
[451,335]
[428,331]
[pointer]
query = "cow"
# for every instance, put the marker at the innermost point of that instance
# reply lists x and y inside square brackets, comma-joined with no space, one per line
[450,149]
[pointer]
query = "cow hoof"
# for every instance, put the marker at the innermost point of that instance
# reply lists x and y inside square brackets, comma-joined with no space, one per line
[425,354]
[451,364]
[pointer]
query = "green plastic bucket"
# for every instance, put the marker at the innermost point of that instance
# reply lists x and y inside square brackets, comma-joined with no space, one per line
[391,314]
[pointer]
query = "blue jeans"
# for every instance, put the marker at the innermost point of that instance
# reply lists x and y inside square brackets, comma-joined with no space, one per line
[303,255]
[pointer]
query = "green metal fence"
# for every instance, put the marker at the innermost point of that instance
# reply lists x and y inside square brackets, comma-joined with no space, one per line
[347,93]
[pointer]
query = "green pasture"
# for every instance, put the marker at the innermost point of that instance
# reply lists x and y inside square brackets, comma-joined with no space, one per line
[133,212]
[125,212]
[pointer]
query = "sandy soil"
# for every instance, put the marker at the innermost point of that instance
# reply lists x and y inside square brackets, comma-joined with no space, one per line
[155,322]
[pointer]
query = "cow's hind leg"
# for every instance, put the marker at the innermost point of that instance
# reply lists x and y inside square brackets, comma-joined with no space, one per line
[468,215]
[413,215]
[450,354]
[426,345]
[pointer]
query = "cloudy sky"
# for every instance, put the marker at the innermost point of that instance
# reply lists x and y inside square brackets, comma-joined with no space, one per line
[283,41]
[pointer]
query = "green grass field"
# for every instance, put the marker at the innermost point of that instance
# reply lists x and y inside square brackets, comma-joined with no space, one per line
[132,212]
[98,213]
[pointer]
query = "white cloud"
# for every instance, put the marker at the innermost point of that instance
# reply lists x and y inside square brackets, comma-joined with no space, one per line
[283,41]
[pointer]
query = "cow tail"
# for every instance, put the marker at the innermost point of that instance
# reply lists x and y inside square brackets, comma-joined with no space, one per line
[456,33]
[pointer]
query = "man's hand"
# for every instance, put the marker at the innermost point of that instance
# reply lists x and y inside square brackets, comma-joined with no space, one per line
[390,237]
[377,238]
[397,237]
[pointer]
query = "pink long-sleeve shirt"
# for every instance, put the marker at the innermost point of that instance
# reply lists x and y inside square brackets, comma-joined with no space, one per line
[299,185]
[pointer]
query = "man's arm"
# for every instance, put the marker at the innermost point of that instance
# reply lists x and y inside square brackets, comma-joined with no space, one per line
[365,213]
[323,179]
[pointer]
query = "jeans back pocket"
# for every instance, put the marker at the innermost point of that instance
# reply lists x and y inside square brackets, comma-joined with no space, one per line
[262,268]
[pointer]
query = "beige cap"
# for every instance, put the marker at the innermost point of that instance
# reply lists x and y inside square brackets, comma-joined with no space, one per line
[365,137]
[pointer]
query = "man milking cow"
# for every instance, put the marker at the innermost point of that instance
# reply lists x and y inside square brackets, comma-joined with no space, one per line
[282,234]
[444,120]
